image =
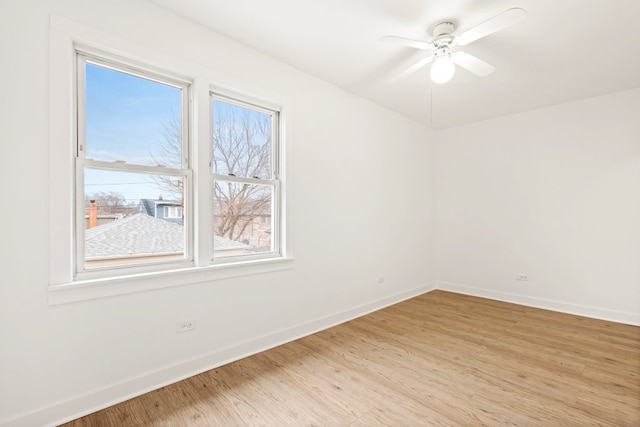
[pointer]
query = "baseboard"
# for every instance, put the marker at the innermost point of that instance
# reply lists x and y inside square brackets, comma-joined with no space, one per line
[105,397]
[563,307]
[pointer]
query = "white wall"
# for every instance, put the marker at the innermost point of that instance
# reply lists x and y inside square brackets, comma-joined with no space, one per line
[357,208]
[553,193]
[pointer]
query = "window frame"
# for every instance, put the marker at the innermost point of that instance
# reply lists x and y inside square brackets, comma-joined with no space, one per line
[275,181]
[65,37]
[83,163]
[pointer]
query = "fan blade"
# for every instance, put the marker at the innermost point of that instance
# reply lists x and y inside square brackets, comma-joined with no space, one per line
[412,69]
[491,25]
[471,63]
[408,42]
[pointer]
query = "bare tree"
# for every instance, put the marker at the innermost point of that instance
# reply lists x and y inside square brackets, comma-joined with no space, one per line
[238,205]
[109,202]
[169,154]
[241,147]
[241,144]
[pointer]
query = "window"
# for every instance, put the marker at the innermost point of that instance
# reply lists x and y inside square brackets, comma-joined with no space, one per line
[246,178]
[140,204]
[132,145]
[173,212]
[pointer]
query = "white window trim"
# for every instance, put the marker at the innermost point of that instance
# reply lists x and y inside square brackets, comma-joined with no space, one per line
[65,37]
[107,287]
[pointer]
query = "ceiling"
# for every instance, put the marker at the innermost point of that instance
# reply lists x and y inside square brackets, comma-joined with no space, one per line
[564,50]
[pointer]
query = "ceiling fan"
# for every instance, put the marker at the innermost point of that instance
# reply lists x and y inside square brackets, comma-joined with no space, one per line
[444,58]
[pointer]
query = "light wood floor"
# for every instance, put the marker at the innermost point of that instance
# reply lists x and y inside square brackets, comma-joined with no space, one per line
[438,359]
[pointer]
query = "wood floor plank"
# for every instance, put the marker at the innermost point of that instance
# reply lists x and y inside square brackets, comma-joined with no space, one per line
[440,359]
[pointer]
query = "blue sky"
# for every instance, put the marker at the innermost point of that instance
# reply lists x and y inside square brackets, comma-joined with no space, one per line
[126,117]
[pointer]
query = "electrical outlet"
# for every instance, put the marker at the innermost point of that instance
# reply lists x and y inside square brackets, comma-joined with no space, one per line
[186,325]
[522,276]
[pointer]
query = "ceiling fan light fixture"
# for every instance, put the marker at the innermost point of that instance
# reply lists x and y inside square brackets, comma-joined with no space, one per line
[443,67]
[444,62]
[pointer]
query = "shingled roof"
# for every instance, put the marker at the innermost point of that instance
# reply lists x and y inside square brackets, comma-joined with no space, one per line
[141,234]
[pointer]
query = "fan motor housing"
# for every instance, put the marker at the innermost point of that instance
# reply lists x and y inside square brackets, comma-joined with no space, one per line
[442,33]
[443,29]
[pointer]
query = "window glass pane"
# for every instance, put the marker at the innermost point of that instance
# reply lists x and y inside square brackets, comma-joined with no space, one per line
[242,219]
[125,218]
[132,119]
[241,141]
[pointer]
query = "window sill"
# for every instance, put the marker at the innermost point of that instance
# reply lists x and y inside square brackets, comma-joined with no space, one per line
[101,288]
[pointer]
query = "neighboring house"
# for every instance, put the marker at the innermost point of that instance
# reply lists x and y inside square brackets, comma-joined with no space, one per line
[169,210]
[96,216]
[257,227]
[138,237]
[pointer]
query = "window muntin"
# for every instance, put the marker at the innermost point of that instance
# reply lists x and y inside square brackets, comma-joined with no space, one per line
[132,147]
[246,185]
